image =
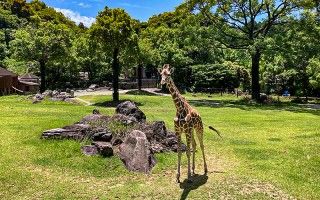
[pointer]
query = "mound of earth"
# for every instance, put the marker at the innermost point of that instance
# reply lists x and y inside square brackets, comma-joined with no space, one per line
[126,134]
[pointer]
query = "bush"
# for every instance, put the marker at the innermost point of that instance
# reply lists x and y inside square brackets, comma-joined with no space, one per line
[226,75]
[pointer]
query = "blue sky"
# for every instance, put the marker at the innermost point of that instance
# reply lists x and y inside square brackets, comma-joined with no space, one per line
[87,10]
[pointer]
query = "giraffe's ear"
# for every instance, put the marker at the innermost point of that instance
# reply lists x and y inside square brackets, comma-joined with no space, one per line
[172,70]
[159,70]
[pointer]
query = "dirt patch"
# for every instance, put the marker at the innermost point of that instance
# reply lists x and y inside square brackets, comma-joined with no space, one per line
[251,188]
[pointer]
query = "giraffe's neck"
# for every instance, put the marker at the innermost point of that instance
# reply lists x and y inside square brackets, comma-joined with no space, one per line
[176,96]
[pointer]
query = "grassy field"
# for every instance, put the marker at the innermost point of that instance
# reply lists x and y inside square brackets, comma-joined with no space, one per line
[267,152]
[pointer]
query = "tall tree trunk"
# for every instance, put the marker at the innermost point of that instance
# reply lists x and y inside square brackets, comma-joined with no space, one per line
[42,76]
[139,77]
[255,57]
[318,8]
[115,75]
[305,82]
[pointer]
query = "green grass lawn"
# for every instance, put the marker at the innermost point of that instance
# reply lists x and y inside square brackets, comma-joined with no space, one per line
[267,152]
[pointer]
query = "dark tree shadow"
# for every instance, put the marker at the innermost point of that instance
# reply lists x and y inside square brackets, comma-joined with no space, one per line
[141,92]
[286,106]
[197,181]
[114,104]
[308,136]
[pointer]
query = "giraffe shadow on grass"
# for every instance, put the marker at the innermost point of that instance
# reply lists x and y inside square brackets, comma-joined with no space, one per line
[197,181]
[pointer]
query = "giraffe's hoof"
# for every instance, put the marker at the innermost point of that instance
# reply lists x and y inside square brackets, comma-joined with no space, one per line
[178,178]
[206,171]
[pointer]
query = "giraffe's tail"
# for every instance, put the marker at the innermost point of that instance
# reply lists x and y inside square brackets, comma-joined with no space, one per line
[215,130]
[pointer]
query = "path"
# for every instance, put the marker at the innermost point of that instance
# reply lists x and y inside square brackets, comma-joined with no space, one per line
[97,92]
[109,92]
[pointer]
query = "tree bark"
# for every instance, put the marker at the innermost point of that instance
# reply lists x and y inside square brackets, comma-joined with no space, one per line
[42,76]
[139,77]
[305,82]
[255,86]
[115,73]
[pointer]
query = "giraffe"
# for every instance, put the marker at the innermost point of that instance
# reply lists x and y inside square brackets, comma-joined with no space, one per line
[186,120]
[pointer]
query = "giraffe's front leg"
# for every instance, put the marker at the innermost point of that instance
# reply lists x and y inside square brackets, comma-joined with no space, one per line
[178,134]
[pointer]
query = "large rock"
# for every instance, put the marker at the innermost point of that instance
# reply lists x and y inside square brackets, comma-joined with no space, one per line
[76,132]
[93,86]
[128,108]
[160,138]
[89,150]
[135,152]
[104,148]
[159,130]
[95,119]
[104,136]
[124,119]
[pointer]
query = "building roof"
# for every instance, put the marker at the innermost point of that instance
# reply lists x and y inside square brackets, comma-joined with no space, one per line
[29,83]
[29,76]
[4,72]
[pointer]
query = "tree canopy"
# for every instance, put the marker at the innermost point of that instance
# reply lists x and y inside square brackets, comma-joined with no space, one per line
[259,46]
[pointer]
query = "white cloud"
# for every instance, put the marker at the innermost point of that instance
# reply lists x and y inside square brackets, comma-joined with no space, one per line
[133,5]
[84,5]
[76,17]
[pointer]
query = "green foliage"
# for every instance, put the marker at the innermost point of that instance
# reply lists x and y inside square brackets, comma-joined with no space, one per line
[46,45]
[116,30]
[114,27]
[88,56]
[226,75]
[313,71]
[8,20]
[196,33]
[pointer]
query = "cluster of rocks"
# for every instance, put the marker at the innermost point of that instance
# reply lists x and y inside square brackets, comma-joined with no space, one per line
[54,95]
[125,134]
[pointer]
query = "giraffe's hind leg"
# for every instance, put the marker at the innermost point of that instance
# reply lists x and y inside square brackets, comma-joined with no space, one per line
[194,147]
[199,131]
[188,139]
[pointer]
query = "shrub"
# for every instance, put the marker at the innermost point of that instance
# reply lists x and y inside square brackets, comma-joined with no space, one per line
[225,75]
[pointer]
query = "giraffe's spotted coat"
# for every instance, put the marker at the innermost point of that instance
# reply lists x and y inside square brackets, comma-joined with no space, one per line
[186,120]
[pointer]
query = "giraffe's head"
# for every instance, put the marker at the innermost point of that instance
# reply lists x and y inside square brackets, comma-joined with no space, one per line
[165,73]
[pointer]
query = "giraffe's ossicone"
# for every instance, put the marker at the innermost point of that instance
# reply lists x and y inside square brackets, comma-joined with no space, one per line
[187,120]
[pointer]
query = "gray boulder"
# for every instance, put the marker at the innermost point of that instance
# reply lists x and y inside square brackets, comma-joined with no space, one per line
[76,132]
[124,119]
[89,150]
[93,86]
[104,136]
[129,108]
[47,93]
[38,97]
[159,130]
[104,148]
[135,152]
[95,119]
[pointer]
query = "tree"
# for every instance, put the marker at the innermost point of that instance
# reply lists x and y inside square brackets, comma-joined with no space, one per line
[245,25]
[223,76]
[44,44]
[302,48]
[88,56]
[114,28]
[313,71]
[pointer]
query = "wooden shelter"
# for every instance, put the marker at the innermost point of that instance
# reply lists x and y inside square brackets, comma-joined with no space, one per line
[28,87]
[8,81]
[29,83]
[29,78]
